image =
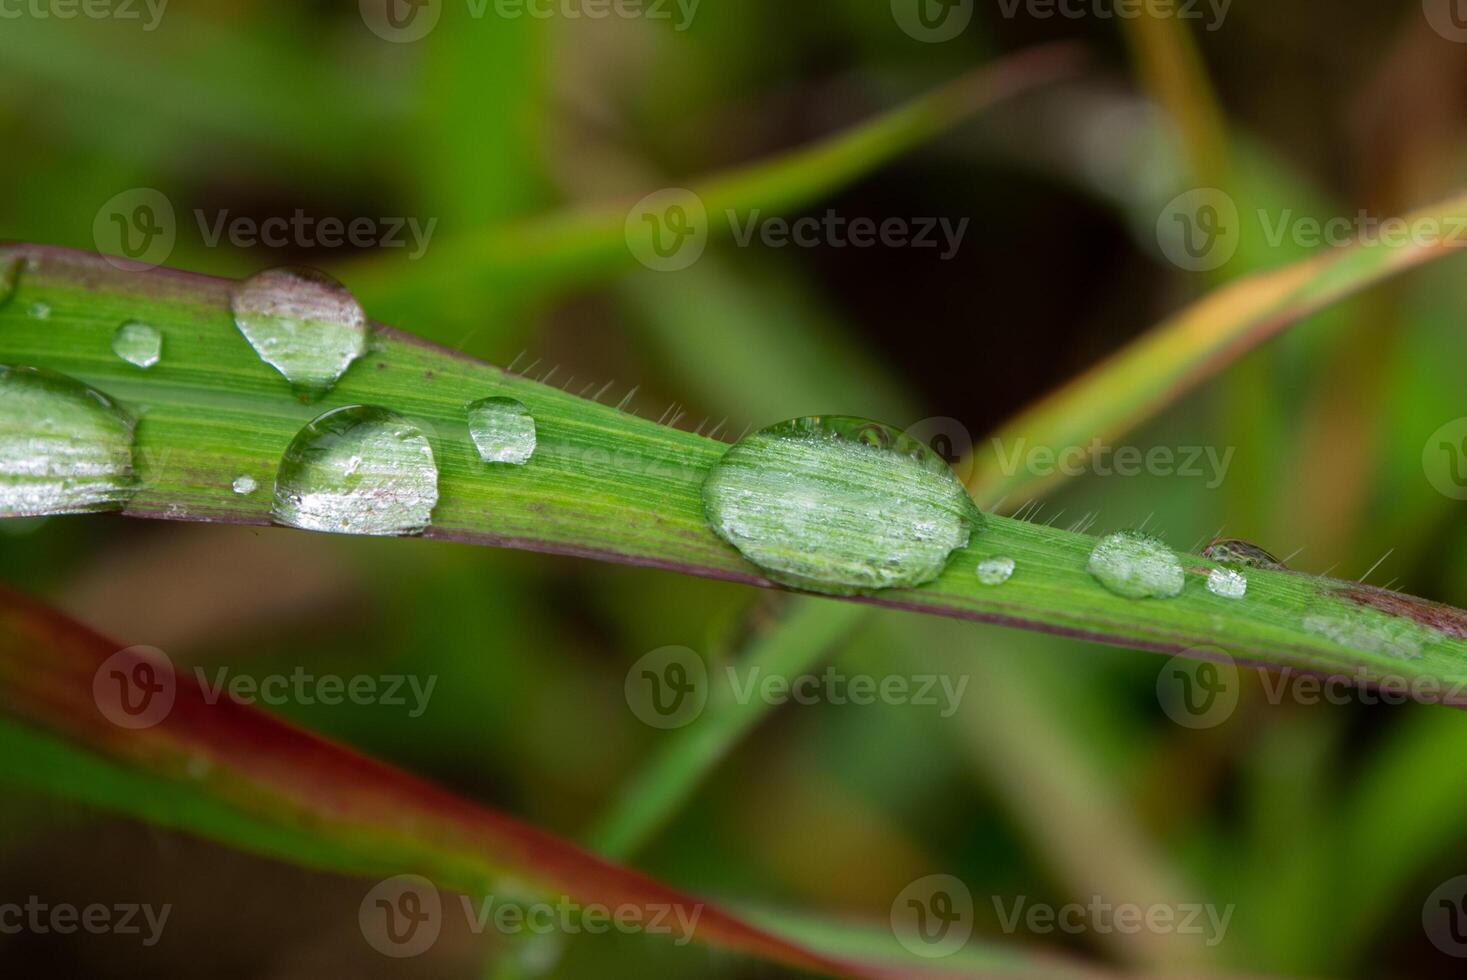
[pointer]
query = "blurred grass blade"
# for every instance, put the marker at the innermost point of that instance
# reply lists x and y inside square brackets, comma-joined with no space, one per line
[1174,357]
[609,485]
[236,774]
[585,241]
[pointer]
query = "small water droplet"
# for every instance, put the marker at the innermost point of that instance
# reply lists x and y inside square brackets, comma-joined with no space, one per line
[839,505]
[40,311]
[138,344]
[65,448]
[1234,551]
[1137,566]
[995,571]
[302,323]
[244,485]
[1368,631]
[503,430]
[1228,583]
[358,470]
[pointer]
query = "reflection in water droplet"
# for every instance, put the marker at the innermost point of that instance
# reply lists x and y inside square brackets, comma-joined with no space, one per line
[244,485]
[303,323]
[138,344]
[40,311]
[358,470]
[1234,551]
[65,448]
[1228,583]
[995,571]
[1137,566]
[503,430]
[839,505]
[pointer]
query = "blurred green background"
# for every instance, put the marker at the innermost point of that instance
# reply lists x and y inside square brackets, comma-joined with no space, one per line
[1060,777]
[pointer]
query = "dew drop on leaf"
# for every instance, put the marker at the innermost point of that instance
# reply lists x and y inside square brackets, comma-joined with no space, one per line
[138,344]
[995,571]
[1228,583]
[358,470]
[65,448]
[1137,566]
[244,485]
[302,323]
[40,311]
[839,505]
[503,430]
[1233,551]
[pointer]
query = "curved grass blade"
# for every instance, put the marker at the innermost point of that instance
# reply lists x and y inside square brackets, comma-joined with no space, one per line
[609,485]
[236,774]
[584,241]
[1174,357]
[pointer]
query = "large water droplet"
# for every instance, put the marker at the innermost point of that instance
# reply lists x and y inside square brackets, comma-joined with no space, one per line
[1137,566]
[138,344]
[1228,583]
[358,470]
[839,505]
[995,571]
[503,430]
[65,448]
[1233,551]
[302,323]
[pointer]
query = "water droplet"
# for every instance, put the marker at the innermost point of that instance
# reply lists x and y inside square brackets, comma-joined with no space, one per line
[1370,631]
[839,505]
[1137,566]
[40,311]
[302,323]
[358,470]
[65,448]
[503,430]
[995,571]
[1228,583]
[138,344]
[244,485]
[1233,551]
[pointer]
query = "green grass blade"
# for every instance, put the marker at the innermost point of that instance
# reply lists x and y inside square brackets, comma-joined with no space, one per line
[609,485]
